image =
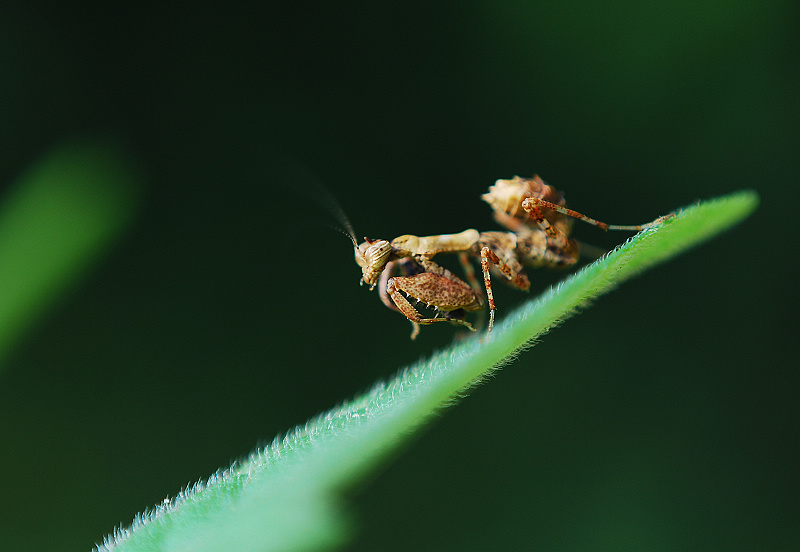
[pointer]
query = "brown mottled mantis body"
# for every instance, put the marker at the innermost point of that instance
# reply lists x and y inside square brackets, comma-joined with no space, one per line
[538,224]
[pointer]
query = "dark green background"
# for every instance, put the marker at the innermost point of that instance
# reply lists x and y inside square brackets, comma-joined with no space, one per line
[663,418]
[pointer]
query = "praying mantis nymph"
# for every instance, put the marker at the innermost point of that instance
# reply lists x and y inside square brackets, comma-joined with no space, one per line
[538,225]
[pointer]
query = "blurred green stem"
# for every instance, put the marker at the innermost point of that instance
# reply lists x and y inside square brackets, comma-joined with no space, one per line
[54,221]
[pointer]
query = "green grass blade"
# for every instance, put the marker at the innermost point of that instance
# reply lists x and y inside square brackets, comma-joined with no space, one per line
[54,220]
[284,496]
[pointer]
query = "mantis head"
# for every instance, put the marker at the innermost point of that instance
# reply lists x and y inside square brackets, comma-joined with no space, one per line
[372,256]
